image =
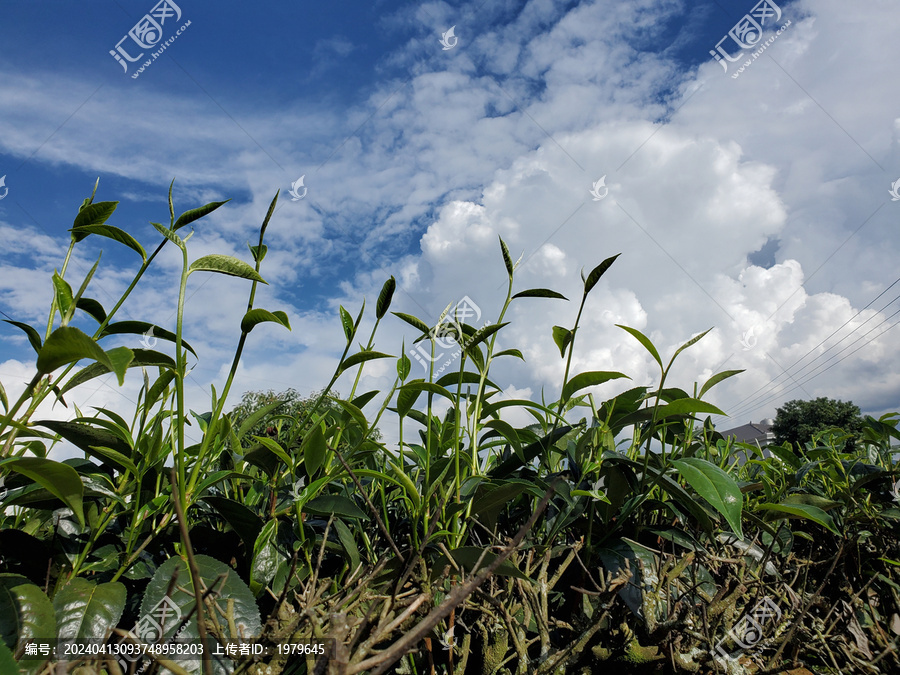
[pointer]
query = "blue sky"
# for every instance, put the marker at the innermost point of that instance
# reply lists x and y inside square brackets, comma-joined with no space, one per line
[754,201]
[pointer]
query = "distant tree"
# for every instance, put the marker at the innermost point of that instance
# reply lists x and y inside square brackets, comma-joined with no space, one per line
[798,420]
[294,406]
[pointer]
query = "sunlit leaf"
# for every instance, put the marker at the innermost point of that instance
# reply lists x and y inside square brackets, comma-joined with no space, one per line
[257,316]
[715,486]
[195,214]
[226,264]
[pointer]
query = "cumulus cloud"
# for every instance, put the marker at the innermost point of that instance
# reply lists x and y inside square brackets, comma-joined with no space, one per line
[504,136]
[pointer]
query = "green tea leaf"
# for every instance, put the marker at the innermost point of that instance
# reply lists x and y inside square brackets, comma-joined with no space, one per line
[539,293]
[361,400]
[117,459]
[804,511]
[110,232]
[273,446]
[86,610]
[347,323]
[598,272]
[59,479]
[257,316]
[225,264]
[259,253]
[338,505]
[413,321]
[785,455]
[63,294]
[189,217]
[589,379]
[563,338]
[314,449]
[715,486]
[256,416]
[347,542]
[361,357]
[170,235]
[385,297]
[687,406]
[149,331]
[466,377]
[94,214]
[25,613]
[92,307]
[510,352]
[506,430]
[7,662]
[88,436]
[507,260]
[33,336]
[409,488]
[715,379]
[483,334]
[67,345]
[242,520]
[644,340]
[694,340]
[213,575]
[140,358]
[403,366]
[431,387]
[266,558]
[492,499]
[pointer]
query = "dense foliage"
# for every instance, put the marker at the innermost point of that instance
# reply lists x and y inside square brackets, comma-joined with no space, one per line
[616,535]
[797,421]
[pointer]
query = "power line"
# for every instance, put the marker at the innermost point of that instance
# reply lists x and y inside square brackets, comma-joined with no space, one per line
[821,369]
[786,372]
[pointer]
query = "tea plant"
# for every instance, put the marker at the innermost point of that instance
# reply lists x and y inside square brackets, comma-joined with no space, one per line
[622,531]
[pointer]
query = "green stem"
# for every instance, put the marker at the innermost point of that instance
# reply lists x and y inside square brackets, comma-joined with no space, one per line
[180,368]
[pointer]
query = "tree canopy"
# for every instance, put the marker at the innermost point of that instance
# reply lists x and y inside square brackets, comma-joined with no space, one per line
[797,421]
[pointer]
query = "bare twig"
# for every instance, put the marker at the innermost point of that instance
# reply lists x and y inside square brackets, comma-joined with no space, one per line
[380,663]
[195,574]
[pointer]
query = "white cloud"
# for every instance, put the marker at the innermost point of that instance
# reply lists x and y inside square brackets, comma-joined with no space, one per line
[504,136]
